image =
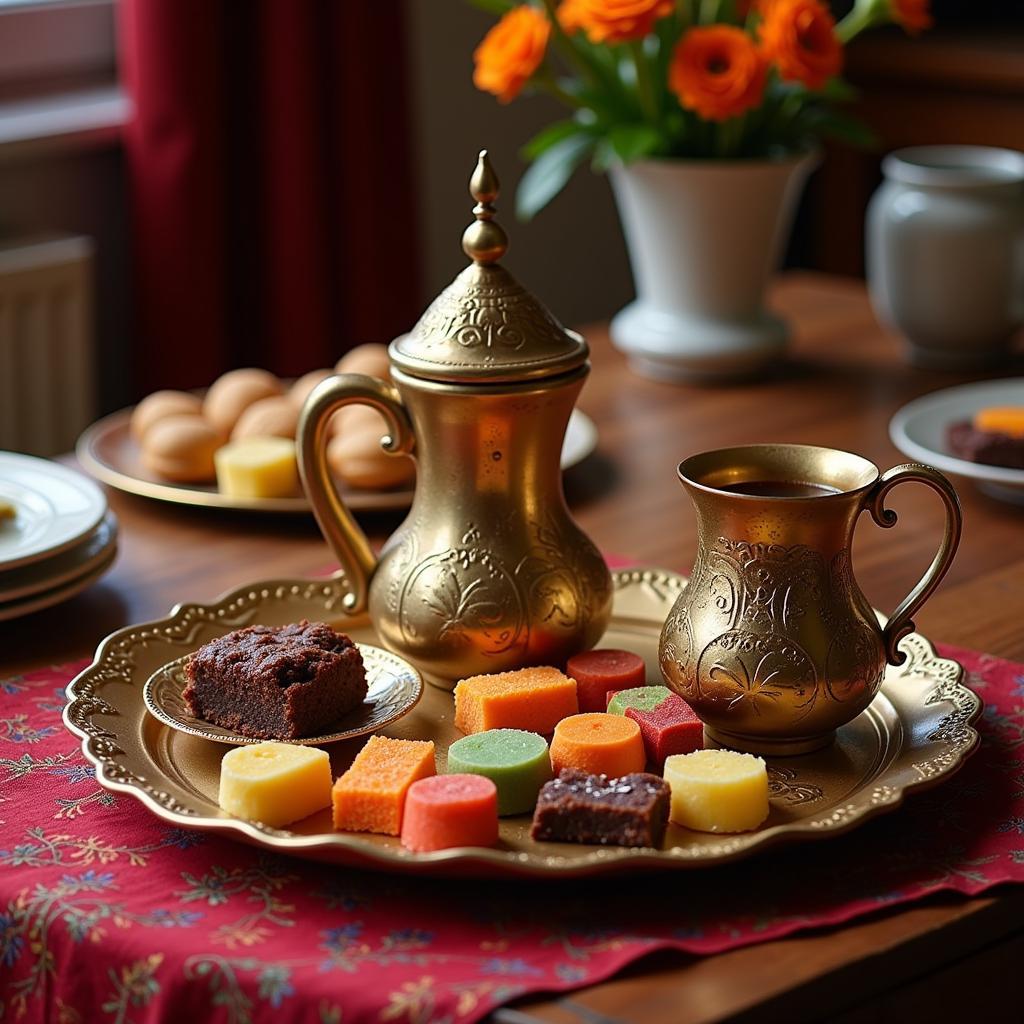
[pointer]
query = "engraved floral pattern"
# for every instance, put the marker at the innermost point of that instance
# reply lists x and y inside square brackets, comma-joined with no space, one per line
[566,581]
[478,602]
[484,317]
[784,785]
[470,593]
[744,669]
[747,636]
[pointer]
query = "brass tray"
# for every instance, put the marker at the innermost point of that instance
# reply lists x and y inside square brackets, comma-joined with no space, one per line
[917,732]
[108,452]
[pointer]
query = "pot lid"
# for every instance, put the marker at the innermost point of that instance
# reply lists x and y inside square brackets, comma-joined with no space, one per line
[485,327]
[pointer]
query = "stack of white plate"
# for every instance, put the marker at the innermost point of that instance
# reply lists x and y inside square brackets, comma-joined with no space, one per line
[60,538]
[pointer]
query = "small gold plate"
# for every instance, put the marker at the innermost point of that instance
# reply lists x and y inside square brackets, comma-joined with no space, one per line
[916,733]
[394,687]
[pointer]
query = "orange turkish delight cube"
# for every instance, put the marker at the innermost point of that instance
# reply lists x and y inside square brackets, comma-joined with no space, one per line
[534,699]
[1001,420]
[370,796]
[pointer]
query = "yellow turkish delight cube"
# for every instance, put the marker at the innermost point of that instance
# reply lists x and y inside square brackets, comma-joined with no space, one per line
[275,783]
[257,467]
[717,790]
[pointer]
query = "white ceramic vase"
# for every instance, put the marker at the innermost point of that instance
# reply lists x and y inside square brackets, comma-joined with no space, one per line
[704,237]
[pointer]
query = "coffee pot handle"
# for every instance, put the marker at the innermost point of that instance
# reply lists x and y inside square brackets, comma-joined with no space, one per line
[901,623]
[343,533]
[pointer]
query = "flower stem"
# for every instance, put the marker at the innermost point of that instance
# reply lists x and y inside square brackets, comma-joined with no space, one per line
[856,22]
[729,135]
[708,11]
[644,85]
[544,80]
[567,49]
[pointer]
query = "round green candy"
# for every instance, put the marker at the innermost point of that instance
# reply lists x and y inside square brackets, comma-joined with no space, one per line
[643,698]
[516,761]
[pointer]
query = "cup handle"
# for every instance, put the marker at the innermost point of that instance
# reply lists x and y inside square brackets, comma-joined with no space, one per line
[901,623]
[342,532]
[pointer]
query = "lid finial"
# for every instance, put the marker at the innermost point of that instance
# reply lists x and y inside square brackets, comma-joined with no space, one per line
[484,241]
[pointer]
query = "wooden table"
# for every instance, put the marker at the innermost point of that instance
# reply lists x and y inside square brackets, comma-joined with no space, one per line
[841,385]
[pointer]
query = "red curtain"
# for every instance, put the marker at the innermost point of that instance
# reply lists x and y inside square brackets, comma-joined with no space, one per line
[269,158]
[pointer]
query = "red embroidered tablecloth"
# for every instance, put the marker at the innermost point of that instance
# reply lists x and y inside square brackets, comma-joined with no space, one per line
[109,915]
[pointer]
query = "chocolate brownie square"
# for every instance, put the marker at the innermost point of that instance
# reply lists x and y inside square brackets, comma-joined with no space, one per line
[581,808]
[276,682]
[985,446]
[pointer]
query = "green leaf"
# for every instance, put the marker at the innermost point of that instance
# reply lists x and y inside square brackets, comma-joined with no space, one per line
[548,174]
[849,130]
[548,136]
[498,7]
[835,124]
[839,91]
[632,141]
[604,156]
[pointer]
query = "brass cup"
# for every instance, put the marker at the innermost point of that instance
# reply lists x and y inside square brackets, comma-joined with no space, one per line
[773,643]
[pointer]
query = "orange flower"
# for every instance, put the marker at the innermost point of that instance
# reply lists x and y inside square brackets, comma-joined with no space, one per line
[913,15]
[615,21]
[717,71]
[511,52]
[570,16]
[799,38]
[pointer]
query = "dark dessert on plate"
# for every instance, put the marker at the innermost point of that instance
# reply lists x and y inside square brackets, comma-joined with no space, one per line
[581,808]
[994,437]
[276,682]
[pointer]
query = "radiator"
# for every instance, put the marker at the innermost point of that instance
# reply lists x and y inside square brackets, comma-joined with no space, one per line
[47,367]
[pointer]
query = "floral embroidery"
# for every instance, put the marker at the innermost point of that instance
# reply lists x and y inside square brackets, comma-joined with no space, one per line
[79,905]
[42,849]
[259,884]
[134,986]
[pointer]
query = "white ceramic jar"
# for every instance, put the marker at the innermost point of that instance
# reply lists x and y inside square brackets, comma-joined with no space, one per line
[945,252]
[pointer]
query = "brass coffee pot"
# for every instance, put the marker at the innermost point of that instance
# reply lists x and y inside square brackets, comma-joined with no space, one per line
[489,571]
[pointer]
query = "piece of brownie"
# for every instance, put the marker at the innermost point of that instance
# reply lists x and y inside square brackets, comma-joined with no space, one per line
[581,808]
[988,447]
[276,682]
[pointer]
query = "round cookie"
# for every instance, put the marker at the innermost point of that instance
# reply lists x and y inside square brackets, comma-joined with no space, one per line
[360,462]
[234,392]
[359,421]
[369,359]
[159,405]
[277,416]
[372,360]
[300,390]
[181,448]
